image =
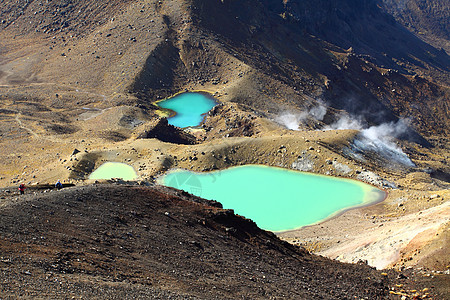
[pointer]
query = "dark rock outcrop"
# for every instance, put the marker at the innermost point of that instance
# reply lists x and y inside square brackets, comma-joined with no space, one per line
[165,132]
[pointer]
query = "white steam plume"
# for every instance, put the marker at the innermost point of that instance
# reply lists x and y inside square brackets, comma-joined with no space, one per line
[319,111]
[378,138]
[345,122]
[381,139]
[293,120]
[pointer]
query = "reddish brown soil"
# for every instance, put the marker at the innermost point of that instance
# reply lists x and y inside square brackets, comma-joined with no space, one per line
[113,241]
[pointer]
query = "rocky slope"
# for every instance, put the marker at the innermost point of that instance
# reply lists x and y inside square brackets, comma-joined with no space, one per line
[85,75]
[113,241]
[428,20]
[270,55]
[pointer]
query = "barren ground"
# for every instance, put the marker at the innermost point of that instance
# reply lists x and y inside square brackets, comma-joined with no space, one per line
[84,76]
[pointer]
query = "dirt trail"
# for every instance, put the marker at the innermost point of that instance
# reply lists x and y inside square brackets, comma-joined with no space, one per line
[17,118]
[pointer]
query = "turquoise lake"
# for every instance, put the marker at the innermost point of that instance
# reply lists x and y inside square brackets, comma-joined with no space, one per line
[110,170]
[275,199]
[188,109]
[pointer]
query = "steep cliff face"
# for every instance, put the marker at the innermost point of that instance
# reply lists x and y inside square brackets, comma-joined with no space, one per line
[361,25]
[352,54]
[270,55]
[365,27]
[430,20]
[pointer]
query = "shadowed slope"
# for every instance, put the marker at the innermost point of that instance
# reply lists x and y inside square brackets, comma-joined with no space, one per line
[145,241]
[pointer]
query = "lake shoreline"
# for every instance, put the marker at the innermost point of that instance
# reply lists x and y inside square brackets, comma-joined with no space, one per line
[286,183]
[193,106]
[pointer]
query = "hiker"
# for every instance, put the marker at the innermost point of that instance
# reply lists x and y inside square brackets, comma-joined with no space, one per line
[22,188]
[58,185]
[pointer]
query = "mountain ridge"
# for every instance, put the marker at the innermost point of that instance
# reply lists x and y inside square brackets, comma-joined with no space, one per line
[161,242]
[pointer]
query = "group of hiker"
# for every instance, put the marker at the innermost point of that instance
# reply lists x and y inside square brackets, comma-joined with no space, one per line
[58,185]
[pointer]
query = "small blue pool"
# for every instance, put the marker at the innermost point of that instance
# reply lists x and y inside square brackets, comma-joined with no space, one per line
[188,109]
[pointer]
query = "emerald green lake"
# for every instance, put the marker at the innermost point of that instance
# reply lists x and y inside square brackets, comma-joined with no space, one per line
[275,199]
[110,170]
[188,109]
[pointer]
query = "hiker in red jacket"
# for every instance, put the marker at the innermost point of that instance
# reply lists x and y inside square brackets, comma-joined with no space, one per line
[22,188]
